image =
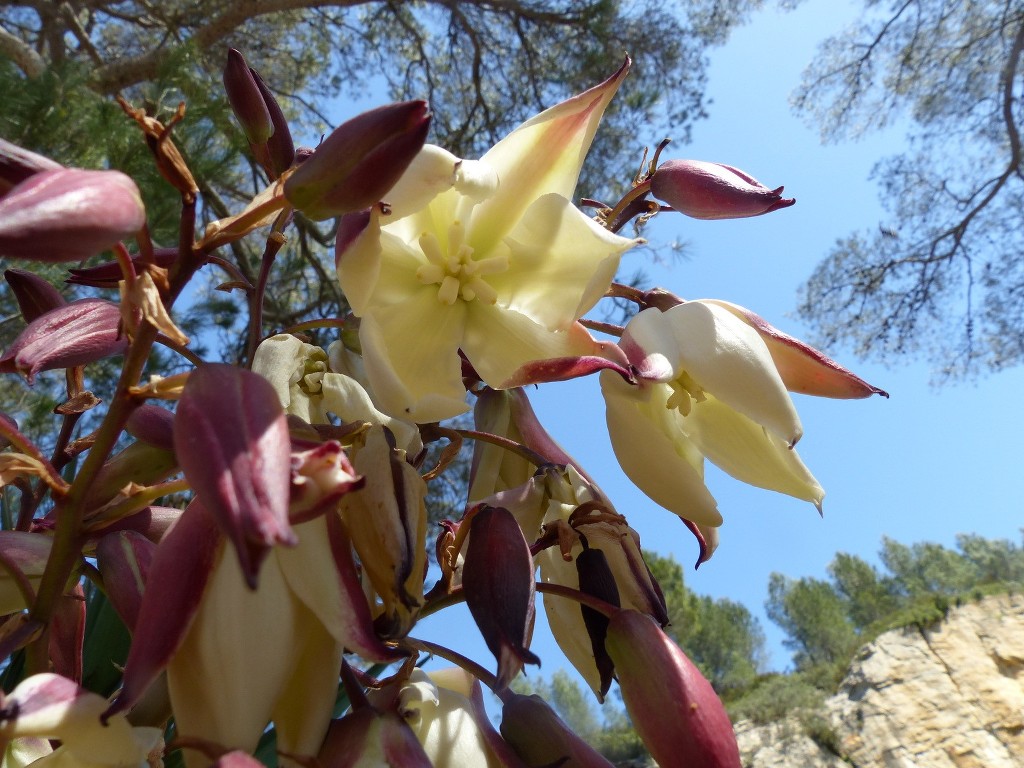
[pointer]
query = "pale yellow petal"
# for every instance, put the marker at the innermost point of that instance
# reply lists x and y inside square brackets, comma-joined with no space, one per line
[561,263]
[727,359]
[498,342]
[748,452]
[543,155]
[411,357]
[654,452]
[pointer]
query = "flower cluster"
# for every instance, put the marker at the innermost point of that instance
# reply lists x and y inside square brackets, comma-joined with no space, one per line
[264,541]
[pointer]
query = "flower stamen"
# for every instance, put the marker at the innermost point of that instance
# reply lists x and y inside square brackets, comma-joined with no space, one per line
[457,273]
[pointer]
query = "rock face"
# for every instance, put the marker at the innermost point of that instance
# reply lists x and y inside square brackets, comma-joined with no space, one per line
[950,696]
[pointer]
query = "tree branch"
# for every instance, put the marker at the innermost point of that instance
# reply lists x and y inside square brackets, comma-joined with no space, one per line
[26,59]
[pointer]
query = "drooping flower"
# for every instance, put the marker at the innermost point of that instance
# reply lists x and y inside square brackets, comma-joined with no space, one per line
[710,387]
[237,658]
[48,706]
[309,385]
[438,708]
[489,257]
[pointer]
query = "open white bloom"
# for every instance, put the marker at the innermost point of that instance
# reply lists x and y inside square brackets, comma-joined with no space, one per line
[490,257]
[437,707]
[48,706]
[708,387]
[309,386]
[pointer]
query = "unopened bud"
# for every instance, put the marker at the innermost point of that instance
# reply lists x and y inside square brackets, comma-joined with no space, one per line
[69,214]
[246,100]
[152,424]
[124,559]
[17,164]
[78,333]
[673,707]
[280,147]
[34,295]
[497,579]
[540,737]
[714,191]
[360,161]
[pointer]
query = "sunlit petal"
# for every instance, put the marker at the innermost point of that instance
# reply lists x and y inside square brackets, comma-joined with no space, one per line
[541,156]
[727,359]
[748,452]
[560,263]
[411,360]
[654,452]
[499,342]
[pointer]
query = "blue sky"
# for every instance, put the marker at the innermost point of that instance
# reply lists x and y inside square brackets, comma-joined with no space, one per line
[924,465]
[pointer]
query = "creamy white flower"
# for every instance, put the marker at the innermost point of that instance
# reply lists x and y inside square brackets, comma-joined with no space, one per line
[488,257]
[438,709]
[708,387]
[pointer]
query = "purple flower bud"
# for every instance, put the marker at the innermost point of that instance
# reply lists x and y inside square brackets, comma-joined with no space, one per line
[497,580]
[280,147]
[17,164]
[246,100]
[109,274]
[231,439]
[673,707]
[78,333]
[152,424]
[360,161]
[34,295]
[714,191]
[124,559]
[540,737]
[69,214]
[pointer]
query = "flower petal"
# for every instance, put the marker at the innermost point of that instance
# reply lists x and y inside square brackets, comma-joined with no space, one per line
[728,359]
[543,155]
[499,342]
[411,360]
[803,368]
[561,262]
[654,452]
[748,452]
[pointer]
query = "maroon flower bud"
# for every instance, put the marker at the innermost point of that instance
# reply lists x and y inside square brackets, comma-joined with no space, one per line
[596,579]
[34,295]
[541,738]
[17,164]
[231,439]
[360,161]
[152,424]
[673,707]
[246,100]
[109,274]
[280,147]
[67,634]
[124,559]
[78,333]
[497,580]
[714,191]
[69,214]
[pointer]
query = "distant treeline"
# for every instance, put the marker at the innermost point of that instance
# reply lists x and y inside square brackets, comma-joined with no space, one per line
[825,621]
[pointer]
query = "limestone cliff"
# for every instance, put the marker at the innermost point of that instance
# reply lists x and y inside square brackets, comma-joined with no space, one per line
[949,696]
